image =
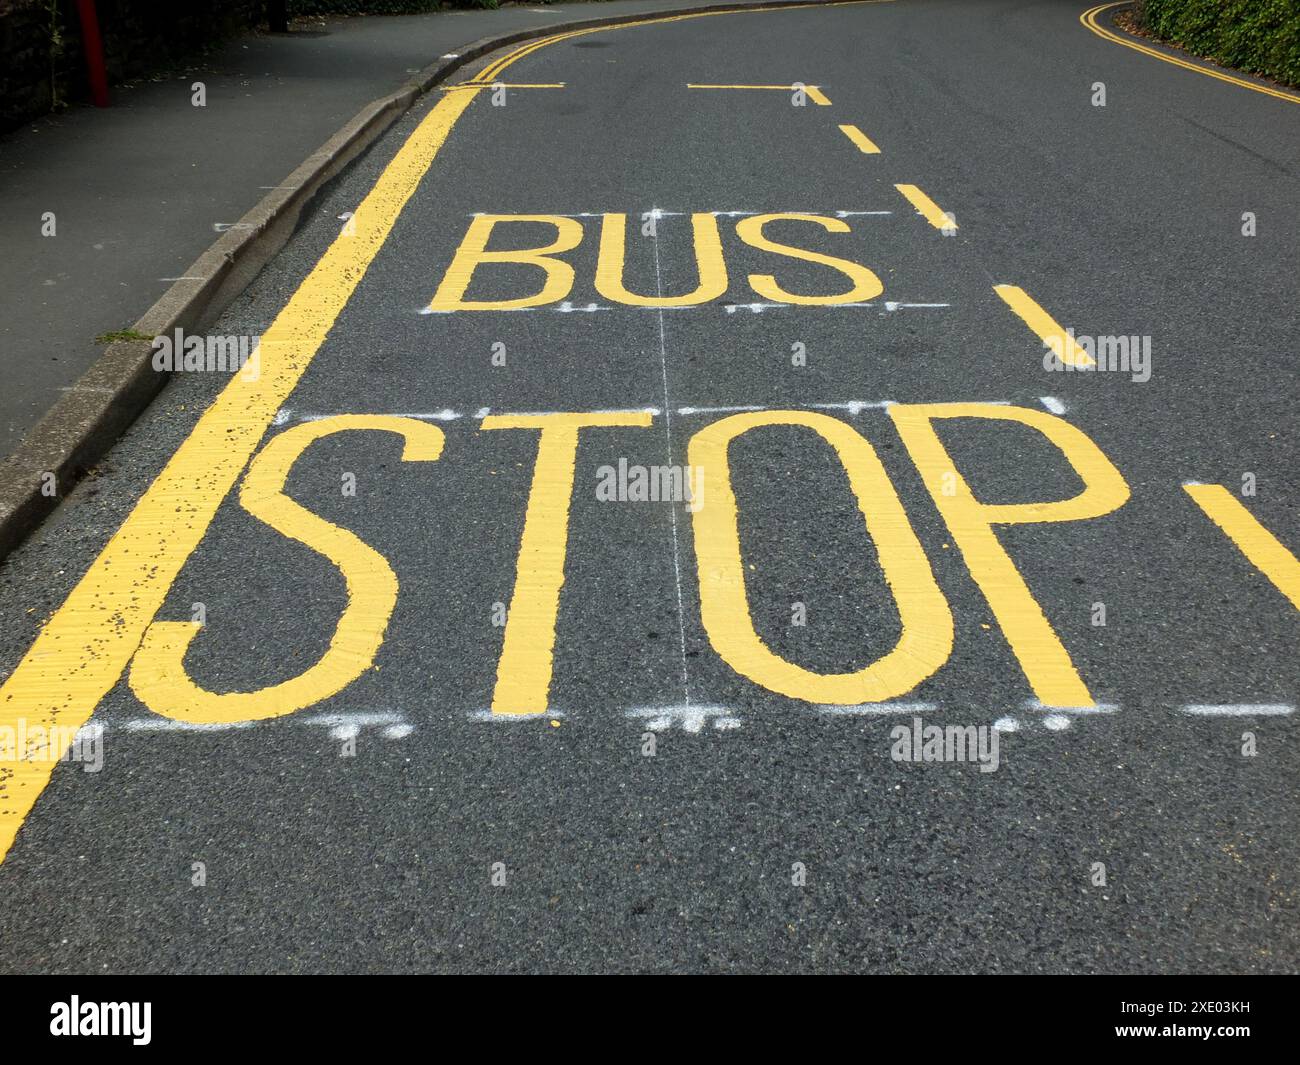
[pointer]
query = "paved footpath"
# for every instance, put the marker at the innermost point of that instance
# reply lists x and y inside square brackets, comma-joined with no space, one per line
[408,650]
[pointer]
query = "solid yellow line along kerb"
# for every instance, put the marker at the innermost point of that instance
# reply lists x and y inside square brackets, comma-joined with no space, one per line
[1089,19]
[86,645]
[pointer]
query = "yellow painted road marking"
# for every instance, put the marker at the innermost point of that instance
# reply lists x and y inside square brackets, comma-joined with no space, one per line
[158,675]
[83,649]
[866,285]
[558,275]
[493,69]
[1044,326]
[926,621]
[864,143]
[527,653]
[1265,551]
[472,252]
[926,207]
[498,85]
[709,263]
[1043,659]
[813,92]
[1089,19]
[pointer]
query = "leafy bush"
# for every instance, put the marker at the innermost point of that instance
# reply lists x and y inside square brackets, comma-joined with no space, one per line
[1258,36]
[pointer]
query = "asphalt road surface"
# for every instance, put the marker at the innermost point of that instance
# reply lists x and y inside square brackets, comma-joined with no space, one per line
[461,699]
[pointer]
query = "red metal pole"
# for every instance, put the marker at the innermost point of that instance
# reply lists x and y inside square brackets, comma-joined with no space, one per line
[94,49]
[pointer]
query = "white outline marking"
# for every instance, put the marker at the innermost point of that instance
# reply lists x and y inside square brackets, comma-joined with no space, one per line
[654,412]
[668,446]
[717,410]
[855,406]
[1074,711]
[872,709]
[166,724]
[541,715]
[1237,709]
[691,718]
[286,414]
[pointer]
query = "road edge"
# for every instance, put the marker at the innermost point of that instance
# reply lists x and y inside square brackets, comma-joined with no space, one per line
[1100,20]
[93,413]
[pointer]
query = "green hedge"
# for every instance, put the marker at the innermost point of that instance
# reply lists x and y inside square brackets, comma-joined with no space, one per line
[1258,36]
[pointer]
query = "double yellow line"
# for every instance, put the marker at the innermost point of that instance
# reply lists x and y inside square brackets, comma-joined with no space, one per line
[1089,18]
[493,70]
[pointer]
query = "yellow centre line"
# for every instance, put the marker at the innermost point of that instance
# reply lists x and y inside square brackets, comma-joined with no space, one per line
[926,207]
[813,92]
[1044,325]
[864,143]
[1264,550]
[1089,19]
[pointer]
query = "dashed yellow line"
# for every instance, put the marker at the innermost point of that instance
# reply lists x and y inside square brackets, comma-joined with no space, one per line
[1089,19]
[813,92]
[1044,325]
[864,143]
[927,208]
[1264,550]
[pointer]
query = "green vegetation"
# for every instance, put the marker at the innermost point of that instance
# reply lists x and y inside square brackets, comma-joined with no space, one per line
[120,334]
[1257,36]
